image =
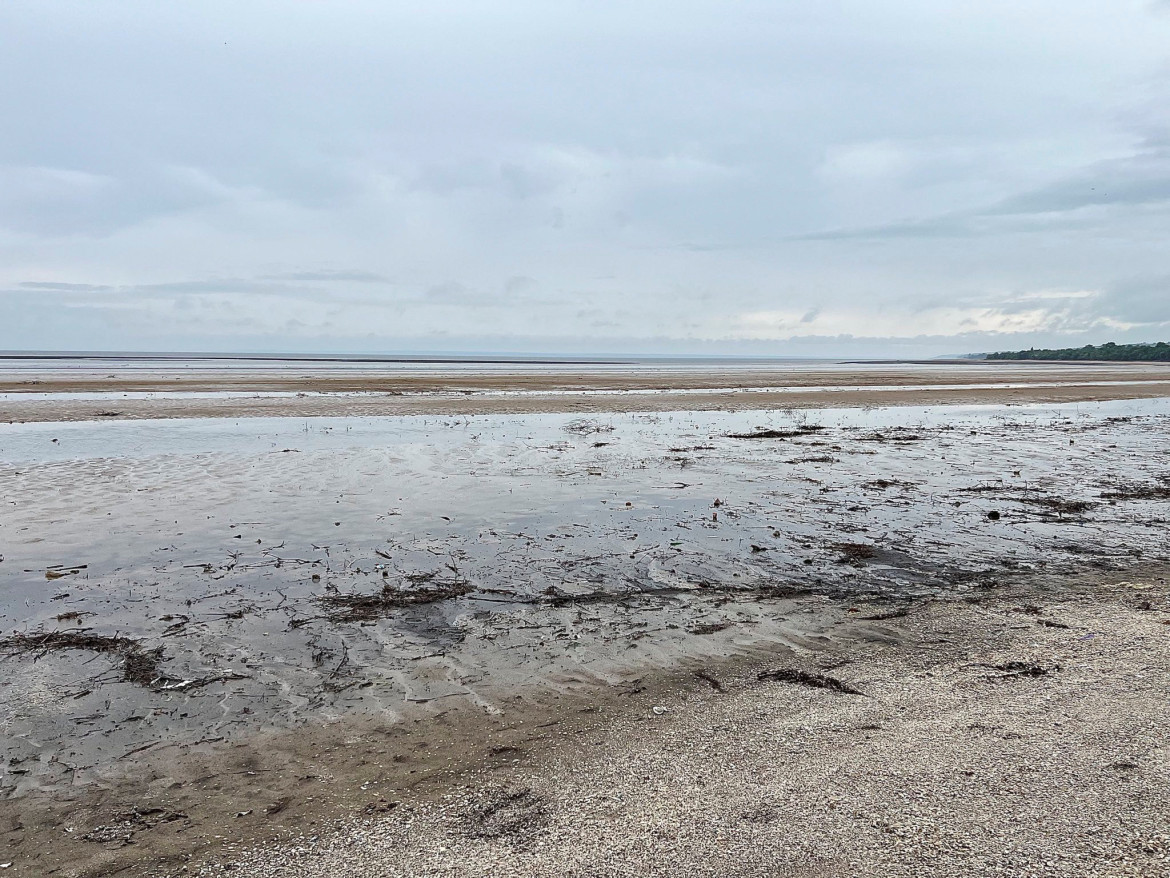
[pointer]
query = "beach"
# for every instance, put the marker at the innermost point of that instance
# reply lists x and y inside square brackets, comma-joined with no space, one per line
[984,737]
[584,619]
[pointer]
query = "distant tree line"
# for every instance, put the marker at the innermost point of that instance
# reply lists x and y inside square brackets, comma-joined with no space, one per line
[1152,351]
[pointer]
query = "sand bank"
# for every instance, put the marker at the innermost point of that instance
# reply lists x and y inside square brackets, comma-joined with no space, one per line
[70,395]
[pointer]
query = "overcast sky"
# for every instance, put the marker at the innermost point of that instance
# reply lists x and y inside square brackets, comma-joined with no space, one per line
[823,177]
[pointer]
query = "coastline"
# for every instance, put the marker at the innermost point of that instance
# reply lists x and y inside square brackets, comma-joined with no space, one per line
[236,393]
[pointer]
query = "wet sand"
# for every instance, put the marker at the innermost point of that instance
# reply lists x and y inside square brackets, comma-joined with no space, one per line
[358,391]
[218,633]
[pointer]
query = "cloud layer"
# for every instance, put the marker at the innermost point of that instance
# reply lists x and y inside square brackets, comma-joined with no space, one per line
[842,179]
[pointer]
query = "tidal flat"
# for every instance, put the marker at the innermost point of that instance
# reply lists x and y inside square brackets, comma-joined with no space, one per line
[206,622]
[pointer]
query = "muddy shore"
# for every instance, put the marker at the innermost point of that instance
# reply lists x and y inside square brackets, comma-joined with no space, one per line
[218,634]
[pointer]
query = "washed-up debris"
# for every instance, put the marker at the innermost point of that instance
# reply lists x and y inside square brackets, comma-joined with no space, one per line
[770,591]
[883,484]
[139,665]
[900,613]
[855,552]
[1031,496]
[585,427]
[804,678]
[1059,506]
[803,430]
[165,684]
[558,597]
[507,812]
[896,434]
[121,830]
[709,628]
[1015,669]
[710,681]
[58,571]
[382,806]
[370,607]
[1159,490]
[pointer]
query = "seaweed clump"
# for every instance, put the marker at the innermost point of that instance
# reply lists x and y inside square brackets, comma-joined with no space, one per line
[1134,491]
[140,666]
[802,430]
[371,607]
[854,553]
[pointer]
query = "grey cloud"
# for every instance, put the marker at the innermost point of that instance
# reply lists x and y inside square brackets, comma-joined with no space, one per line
[956,226]
[196,287]
[57,201]
[1138,300]
[63,287]
[1139,180]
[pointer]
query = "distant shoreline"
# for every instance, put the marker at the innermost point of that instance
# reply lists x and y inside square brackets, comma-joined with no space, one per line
[464,359]
[305,358]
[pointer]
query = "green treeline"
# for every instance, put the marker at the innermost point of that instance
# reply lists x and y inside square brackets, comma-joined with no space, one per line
[1154,351]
